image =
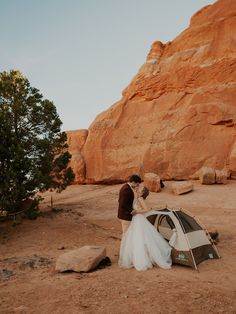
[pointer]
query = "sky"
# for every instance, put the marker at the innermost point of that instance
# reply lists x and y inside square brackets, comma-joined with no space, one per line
[81,54]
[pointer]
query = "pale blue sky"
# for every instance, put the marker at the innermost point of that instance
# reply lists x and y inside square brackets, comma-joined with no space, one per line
[81,54]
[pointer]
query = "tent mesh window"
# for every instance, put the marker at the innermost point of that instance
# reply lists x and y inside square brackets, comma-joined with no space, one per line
[152,219]
[189,223]
[165,221]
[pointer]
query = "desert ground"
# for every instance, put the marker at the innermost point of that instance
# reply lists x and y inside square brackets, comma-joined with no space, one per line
[86,215]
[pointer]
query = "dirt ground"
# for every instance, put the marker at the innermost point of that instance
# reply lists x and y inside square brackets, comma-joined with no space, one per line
[87,216]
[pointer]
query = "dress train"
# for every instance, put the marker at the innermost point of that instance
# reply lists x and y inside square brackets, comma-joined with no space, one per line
[142,246]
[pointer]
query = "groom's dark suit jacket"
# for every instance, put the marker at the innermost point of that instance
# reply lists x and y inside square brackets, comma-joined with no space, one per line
[126,198]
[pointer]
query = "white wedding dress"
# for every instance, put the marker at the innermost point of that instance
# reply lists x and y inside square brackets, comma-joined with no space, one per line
[142,246]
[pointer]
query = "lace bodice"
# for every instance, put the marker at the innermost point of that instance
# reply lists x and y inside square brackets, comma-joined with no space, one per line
[136,204]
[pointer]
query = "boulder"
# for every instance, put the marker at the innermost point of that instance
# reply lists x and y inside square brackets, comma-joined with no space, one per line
[221,176]
[182,187]
[207,175]
[152,182]
[232,162]
[83,259]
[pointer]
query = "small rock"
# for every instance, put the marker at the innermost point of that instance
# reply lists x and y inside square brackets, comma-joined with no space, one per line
[61,248]
[182,187]
[197,296]
[5,274]
[21,308]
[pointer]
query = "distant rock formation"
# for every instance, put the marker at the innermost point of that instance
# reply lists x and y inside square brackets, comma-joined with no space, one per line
[76,140]
[178,114]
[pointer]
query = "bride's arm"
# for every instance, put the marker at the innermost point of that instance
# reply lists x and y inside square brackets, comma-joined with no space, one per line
[143,206]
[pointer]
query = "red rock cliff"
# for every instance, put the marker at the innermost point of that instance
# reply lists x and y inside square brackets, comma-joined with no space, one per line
[179,112]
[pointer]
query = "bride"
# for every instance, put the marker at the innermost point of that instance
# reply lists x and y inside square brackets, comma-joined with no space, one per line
[142,246]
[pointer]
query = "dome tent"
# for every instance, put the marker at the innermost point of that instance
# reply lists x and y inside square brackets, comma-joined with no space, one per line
[191,243]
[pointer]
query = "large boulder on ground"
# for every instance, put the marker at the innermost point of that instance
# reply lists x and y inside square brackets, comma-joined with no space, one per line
[221,176]
[152,182]
[232,162]
[83,259]
[207,175]
[182,187]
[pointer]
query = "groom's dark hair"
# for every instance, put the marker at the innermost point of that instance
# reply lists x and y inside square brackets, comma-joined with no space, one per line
[135,178]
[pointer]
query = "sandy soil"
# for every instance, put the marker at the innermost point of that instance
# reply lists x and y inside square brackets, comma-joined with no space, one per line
[28,251]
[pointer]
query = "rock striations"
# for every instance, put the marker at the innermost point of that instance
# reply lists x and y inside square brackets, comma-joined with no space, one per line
[178,114]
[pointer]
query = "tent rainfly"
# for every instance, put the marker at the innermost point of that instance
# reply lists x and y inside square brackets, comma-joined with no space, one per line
[191,243]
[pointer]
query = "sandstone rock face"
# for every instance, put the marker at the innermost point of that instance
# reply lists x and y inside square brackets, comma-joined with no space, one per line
[81,260]
[76,140]
[182,187]
[152,182]
[179,112]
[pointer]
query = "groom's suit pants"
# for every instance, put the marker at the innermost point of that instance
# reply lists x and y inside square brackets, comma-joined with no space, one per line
[125,225]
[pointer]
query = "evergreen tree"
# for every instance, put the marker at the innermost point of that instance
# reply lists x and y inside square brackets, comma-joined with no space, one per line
[33,150]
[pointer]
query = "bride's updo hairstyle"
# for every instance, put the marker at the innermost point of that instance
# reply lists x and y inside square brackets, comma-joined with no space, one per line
[144,192]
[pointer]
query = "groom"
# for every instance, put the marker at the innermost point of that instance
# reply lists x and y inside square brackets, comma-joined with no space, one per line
[126,198]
